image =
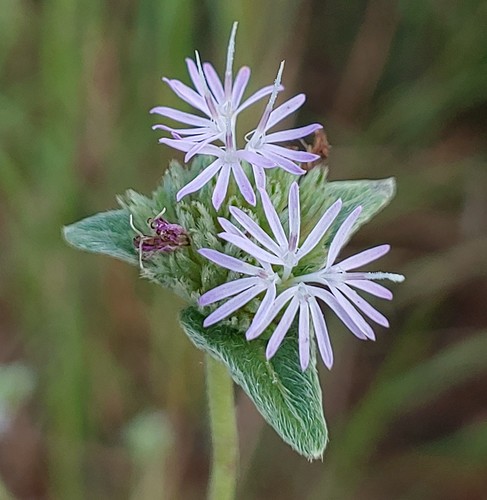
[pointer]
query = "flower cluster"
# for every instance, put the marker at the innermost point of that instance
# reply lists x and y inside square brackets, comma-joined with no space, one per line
[277,258]
[214,134]
[272,271]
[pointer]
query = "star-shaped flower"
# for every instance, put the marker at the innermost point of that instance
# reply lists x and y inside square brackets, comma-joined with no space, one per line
[332,285]
[214,133]
[219,102]
[228,161]
[263,144]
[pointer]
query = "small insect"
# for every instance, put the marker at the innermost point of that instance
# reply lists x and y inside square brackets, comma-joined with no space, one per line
[320,146]
[166,237]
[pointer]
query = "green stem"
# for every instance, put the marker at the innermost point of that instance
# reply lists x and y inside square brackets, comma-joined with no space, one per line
[223,424]
[4,493]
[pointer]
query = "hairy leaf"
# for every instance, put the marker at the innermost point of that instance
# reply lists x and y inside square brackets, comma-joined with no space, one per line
[287,398]
[372,195]
[108,233]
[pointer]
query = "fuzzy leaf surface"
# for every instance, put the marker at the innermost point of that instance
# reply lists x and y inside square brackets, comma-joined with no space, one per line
[288,399]
[107,233]
[372,195]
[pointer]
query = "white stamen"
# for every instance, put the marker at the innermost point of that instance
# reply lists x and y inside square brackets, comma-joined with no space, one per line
[396,278]
[229,67]
[277,84]
[268,110]
[141,235]
[161,213]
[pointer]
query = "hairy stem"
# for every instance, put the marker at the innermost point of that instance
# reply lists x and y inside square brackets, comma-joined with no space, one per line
[223,473]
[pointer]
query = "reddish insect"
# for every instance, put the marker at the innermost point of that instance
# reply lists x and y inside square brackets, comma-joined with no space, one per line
[166,237]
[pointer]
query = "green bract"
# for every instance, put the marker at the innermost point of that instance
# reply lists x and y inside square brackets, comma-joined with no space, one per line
[287,398]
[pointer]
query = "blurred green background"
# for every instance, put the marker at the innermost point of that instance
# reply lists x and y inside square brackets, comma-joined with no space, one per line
[101,394]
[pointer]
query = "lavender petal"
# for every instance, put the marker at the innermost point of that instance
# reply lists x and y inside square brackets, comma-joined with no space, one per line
[181,116]
[352,313]
[188,94]
[183,131]
[257,96]
[280,161]
[214,82]
[273,219]
[256,329]
[233,304]
[255,158]
[294,216]
[186,144]
[229,227]
[195,76]
[200,180]
[372,288]
[363,305]
[243,184]
[303,332]
[363,258]
[320,229]
[282,328]
[321,333]
[291,154]
[227,290]
[265,307]
[251,248]
[229,262]
[284,110]
[220,191]
[202,146]
[259,177]
[254,229]
[239,86]
[179,144]
[336,307]
[341,236]
[294,133]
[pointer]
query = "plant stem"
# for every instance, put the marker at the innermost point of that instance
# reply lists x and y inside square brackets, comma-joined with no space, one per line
[223,425]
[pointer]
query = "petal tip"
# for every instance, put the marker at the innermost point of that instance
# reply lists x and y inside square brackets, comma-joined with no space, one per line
[250,335]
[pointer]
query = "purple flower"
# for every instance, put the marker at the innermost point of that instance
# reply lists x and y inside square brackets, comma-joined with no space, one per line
[280,249]
[228,161]
[221,103]
[302,293]
[263,144]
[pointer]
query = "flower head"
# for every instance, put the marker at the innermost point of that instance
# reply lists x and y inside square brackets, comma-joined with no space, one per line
[214,133]
[278,256]
[263,144]
[219,102]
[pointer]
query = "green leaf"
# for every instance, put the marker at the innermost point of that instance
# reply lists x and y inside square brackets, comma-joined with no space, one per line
[317,196]
[108,233]
[372,195]
[287,398]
